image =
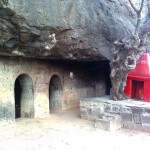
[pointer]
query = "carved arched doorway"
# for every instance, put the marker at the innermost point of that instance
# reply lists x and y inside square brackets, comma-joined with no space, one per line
[55,94]
[24,97]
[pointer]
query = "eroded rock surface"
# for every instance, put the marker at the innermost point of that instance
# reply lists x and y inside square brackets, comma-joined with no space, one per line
[63,29]
[145,28]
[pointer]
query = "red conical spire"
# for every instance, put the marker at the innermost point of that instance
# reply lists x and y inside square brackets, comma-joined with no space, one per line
[142,67]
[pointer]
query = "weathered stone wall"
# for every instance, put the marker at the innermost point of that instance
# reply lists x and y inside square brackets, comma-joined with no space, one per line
[81,85]
[108,114]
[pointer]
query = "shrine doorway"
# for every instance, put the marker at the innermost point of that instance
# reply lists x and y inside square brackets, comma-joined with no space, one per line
[137,90]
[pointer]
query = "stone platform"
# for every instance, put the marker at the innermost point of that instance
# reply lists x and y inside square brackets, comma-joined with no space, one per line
[112,115]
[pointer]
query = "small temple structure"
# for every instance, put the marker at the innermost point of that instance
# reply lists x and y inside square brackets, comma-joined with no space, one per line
[138,80]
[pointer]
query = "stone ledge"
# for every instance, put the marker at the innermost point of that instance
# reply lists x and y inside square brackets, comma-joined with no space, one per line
[133,114]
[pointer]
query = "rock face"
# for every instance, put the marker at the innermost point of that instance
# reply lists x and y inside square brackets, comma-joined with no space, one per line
[63,29]
[145,29]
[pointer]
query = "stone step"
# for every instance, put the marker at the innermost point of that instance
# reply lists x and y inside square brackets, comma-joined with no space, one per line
[109,116]
[109,122]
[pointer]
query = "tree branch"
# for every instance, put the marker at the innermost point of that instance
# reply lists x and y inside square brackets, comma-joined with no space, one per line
[139,18]
[142,4]
[138,13]
[133,6]
[148,6]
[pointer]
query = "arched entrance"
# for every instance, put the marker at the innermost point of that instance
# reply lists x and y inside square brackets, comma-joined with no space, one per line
[55,94]
[24,104]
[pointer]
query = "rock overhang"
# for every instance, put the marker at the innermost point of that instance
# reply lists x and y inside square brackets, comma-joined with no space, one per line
[84,30]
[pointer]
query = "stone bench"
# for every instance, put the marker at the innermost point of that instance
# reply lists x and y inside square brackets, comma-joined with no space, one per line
[112,115]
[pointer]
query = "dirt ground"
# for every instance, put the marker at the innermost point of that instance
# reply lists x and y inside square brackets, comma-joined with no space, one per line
[66,131]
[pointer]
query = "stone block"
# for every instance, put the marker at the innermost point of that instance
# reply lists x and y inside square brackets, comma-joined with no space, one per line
[109,123]
[82,107]
[146,127]
[102,124]
[128,125]
[126,110]
[116,109]
[101,108]
[127,117]
[145,118]
[137,118]
[96,112]
[89,111]
[137,110]
[84,114]
[107,108]
[132,126]
[147,110]
[92,118]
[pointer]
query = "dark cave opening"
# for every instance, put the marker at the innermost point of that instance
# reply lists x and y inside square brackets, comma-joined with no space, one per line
[17,99]
[97,70]
[23,92]
[55,94]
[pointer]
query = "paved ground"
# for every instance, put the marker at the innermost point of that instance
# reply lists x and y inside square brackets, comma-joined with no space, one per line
[67,131]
